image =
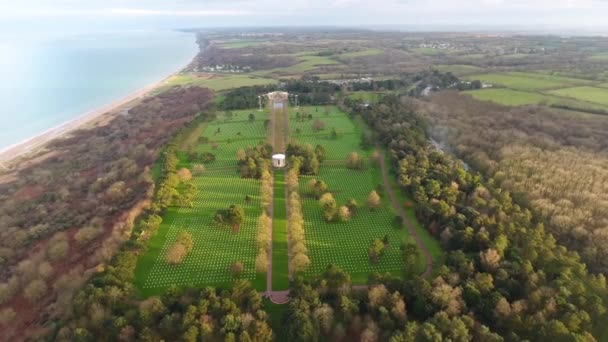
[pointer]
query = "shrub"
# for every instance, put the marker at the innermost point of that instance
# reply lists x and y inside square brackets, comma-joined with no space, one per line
[35,290]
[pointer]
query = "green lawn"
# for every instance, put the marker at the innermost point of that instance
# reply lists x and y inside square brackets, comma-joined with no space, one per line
[345,244]
[363,53]
[215,247]
[280,259]
[590,94]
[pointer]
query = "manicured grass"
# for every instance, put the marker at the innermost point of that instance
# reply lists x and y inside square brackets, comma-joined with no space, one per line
[459,69]
[363,53]
[234,133]
[280,258]
[217,82]
[276,312]
[215,247]
[345,244]
[347,140]
[527,81]
[591,94]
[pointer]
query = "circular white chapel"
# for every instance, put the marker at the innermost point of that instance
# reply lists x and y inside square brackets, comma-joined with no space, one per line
[278,160]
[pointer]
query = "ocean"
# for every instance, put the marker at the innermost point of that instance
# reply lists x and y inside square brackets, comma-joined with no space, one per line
[47,80]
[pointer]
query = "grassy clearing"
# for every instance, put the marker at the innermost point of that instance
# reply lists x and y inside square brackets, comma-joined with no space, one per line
[280,258]
[603,85]
[459,69]
[363,53]
[215,247]
[217,82]
[527,81]
[590,94]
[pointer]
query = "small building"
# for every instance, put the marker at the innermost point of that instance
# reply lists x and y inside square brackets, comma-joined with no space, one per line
[278,161]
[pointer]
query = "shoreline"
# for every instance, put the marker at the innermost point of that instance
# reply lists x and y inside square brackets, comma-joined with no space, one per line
[38,141]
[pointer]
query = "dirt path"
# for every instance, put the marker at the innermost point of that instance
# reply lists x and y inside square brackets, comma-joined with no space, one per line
[428,259]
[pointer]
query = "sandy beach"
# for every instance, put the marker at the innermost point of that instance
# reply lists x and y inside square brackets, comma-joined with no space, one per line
[34,143]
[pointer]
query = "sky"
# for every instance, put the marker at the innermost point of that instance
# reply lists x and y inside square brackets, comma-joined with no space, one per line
[541,15]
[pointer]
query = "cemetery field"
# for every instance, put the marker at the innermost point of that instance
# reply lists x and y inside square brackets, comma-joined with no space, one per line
[345,244]
[215,247]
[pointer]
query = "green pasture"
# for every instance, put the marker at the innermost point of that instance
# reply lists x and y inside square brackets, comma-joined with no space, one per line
[237,44]
[215,249]
[527,81]
[363,53]
[428,51]
[219,83]
[602,57]
[590,94]
[306,63]
[459,69]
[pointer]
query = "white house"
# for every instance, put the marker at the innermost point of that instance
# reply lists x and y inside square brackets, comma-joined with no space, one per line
[278,161]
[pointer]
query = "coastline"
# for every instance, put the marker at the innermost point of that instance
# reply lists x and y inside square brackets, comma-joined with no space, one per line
[94,116]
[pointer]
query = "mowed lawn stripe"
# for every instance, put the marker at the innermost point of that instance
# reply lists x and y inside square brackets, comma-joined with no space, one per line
[280,253]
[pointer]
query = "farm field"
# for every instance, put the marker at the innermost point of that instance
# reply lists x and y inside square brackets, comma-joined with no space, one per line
[364,53]
[459,69]
[306,63]
[507,97]
[591,94]
[527,81]
[216,82]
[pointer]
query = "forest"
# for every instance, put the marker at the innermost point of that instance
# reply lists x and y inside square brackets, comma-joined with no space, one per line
[551,160]
[72,208]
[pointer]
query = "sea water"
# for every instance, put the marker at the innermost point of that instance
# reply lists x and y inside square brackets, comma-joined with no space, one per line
[47,80]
